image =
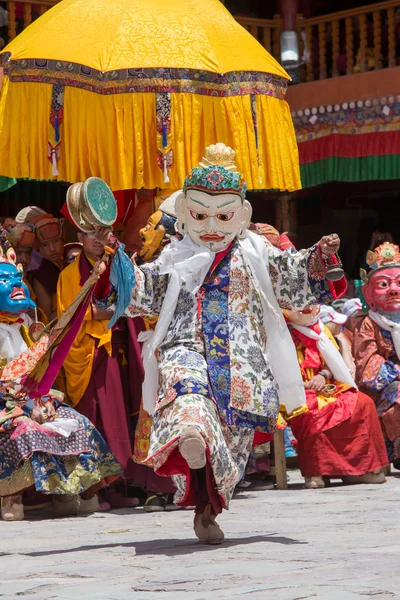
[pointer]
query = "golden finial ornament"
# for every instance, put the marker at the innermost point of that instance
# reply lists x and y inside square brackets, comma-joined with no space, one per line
[219,155]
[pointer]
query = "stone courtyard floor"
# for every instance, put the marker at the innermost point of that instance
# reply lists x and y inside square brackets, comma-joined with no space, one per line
[340,543]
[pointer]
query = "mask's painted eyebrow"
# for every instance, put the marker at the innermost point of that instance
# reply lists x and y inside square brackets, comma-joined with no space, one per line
[198,202]
[226,203]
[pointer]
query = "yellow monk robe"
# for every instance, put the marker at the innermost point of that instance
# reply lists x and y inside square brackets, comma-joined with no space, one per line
[79,362]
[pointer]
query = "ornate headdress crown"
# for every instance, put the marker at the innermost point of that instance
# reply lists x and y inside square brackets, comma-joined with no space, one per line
[7,252]
[219,155]
[216,173]
[386,255]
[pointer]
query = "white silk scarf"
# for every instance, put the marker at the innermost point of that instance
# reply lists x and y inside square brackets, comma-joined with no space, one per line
[330,353]
[187,262]
[388,325]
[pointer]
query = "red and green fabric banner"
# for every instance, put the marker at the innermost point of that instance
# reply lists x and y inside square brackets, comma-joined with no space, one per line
[358,141]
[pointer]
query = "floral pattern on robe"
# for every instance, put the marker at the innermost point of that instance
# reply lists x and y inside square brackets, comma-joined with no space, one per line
[298,280]
[228,447]
[31,455]
[214,374]
[378,374]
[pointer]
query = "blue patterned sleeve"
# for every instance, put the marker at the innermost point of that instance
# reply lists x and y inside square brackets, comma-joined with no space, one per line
[322,291]
[149,291]
[135,291]
[299,277]
[289,272]
[387,373]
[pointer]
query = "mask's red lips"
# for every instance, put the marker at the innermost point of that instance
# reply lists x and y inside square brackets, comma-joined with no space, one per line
[18,294]
[209,237]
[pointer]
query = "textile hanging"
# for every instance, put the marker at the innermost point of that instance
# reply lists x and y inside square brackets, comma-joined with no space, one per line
[253,101]
[163,124]
[355,141]
[336,168]
[148,84]
[197,121]
[56,119]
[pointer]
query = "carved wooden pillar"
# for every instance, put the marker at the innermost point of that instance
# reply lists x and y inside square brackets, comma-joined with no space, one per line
[289,38]
[288,10]
[276,41]
[12,23]
[27,15]
[377,40]
[335,48]
[392,36]
[363,42]
[322,50]
[349,46]
[309,54]
[286,215]
[266,39]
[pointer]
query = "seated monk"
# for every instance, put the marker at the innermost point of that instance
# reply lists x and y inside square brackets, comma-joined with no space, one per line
[376,344]
[22,237]
[337,430]
[335,322]
[102,371]
[29,215]
[46,447]
[353,309]
[50,240]
[279,240]
[283,242]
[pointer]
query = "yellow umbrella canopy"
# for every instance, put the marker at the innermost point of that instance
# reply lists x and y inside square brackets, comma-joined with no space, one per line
[132,91]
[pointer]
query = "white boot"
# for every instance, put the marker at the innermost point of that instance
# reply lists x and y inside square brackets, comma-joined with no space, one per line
[88,506]
[65,505]
[207,529]
[193,448]
[12,508]
[313,483]
[74,505]
[377,476]
[374,477]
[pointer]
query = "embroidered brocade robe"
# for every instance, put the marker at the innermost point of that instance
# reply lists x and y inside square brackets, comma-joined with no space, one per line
[298,279]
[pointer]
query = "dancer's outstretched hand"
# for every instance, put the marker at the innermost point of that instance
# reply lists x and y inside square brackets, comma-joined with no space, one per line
[330,244]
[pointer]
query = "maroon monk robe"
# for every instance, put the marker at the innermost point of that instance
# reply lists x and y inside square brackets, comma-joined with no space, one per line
[115,383]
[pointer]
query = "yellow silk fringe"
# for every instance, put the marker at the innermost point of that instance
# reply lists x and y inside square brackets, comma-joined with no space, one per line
[114,137]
